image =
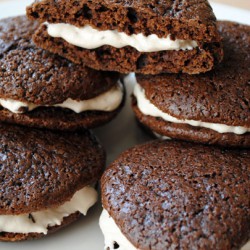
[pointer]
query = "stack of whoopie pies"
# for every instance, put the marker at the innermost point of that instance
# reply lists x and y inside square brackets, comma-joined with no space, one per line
[192,85]
[167,194]
[48,171]
[178,194]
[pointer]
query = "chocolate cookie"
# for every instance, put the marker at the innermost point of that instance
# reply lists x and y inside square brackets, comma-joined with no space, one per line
[40,89]
[148,37]
[211,108]
[47,179]
[177,195]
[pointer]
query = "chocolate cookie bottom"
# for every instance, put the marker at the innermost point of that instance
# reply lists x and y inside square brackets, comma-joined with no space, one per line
[188,132]
[59,118]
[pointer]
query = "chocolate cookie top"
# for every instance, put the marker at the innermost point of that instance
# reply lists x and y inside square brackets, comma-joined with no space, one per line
[41,169]
[187,19]
[30,74]
[178,195]
[219,96]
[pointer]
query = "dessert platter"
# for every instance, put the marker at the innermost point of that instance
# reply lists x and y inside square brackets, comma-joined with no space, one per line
[117,127]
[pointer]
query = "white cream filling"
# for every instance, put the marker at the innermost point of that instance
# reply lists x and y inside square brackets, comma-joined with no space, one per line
[107,101]
[90,38]
[147,108]
[80,202]
[162,137]
[112,233]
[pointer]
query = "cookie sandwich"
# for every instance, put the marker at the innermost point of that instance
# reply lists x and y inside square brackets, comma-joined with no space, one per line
[176,195]
[211,108]
[148,37]
[47,180]
[44,90]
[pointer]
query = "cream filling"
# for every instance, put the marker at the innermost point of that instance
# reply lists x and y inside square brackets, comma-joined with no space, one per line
[147,108]
[90,38]
[112,234]
[38,222]
[162,137]
[107,101]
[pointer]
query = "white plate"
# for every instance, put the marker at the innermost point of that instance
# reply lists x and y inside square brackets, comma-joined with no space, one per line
[117,136]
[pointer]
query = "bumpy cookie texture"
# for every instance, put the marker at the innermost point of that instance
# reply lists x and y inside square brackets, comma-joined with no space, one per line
[13,237]
[30,74]
[187,19]
[195,19]
[177,195]
[220,96]
[42,169]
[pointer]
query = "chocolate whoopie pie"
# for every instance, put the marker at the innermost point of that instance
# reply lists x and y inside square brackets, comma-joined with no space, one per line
[177,195]
[44,90]
[211,108]
[47,179]
[148,37]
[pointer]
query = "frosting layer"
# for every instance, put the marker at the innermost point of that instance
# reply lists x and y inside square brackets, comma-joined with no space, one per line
[38,222]
[90,38]
[107,101]
[112,234]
